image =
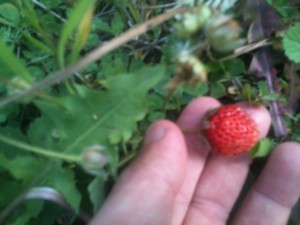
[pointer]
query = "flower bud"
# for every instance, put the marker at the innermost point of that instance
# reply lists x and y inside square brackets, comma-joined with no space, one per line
[94,159]
[223,33]
[191,22]
[190,70]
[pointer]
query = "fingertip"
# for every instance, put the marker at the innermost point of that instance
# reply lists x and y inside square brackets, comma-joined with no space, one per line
[282,168]
[287,156]
[260,115]
[163,149]
[158,130]
[164,132]
[195,111]
[277,189]
[292,147]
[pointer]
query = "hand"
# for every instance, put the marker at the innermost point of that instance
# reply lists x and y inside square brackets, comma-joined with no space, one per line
[177,181]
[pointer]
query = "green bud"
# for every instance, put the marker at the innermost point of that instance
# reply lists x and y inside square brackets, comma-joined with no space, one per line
[94,159]
[190,70]
[223,33]
[191,22]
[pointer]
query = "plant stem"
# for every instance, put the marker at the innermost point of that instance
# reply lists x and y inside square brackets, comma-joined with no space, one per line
[126,159]
[41,151]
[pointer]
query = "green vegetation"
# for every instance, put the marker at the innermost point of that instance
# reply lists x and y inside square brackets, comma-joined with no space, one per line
[82,80]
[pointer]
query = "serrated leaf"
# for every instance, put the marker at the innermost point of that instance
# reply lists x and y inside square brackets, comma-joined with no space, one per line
[22,168]
[63,180]
[97,193]
[96,117]
[291,43]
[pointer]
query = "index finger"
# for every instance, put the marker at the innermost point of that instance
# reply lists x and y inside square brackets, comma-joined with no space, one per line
[190,119]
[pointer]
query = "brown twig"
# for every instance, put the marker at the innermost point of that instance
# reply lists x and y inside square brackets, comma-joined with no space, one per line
[247,48]
[94,55]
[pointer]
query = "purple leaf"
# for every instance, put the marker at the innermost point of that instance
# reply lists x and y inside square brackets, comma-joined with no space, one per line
[261,66]
[265,21]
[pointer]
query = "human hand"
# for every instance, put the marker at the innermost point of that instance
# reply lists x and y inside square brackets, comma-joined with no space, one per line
[176,181]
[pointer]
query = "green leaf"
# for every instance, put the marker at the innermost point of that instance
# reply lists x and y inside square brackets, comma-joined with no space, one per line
[283,7]
[39,44]
[74,20]
[117,25]
[10,188]
[31,18]
[218,90]
[197,90]
[28,169]
[82,34]
[234,67]
[156,116]
[291,43]
[95,117]
[10,13]
[263,148]
[22,168]
[100,25]
[13,133]
[30,210]
[97,193]
[114,64]
[16,67]
[63,180]
[248,93]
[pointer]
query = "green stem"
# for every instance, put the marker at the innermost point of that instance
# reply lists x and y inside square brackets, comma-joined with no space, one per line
[135,14]
[41,151]
[126,159]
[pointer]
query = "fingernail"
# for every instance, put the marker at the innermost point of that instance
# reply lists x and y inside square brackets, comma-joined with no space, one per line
[154,133]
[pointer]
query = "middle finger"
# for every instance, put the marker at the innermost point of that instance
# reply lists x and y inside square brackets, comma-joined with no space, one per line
[222,179]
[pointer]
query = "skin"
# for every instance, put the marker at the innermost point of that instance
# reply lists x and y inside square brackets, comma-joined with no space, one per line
[176,180]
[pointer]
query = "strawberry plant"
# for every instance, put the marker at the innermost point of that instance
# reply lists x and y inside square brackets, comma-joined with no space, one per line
[82,80]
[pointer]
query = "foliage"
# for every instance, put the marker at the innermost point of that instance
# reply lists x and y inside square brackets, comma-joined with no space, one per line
[75,136]
[291,43]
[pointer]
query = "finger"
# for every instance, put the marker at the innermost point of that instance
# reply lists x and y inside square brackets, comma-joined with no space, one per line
[276,191]
[190,120]
[145,191]
[222,179]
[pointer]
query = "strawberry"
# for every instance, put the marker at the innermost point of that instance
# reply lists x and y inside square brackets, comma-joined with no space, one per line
[230,130]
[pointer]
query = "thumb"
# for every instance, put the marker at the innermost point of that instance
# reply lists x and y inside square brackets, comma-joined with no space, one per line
[145,191]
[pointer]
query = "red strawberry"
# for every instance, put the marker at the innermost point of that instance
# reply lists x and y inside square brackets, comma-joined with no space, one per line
[230,130]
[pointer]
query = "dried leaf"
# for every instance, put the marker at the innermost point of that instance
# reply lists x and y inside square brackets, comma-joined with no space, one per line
[265,20]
